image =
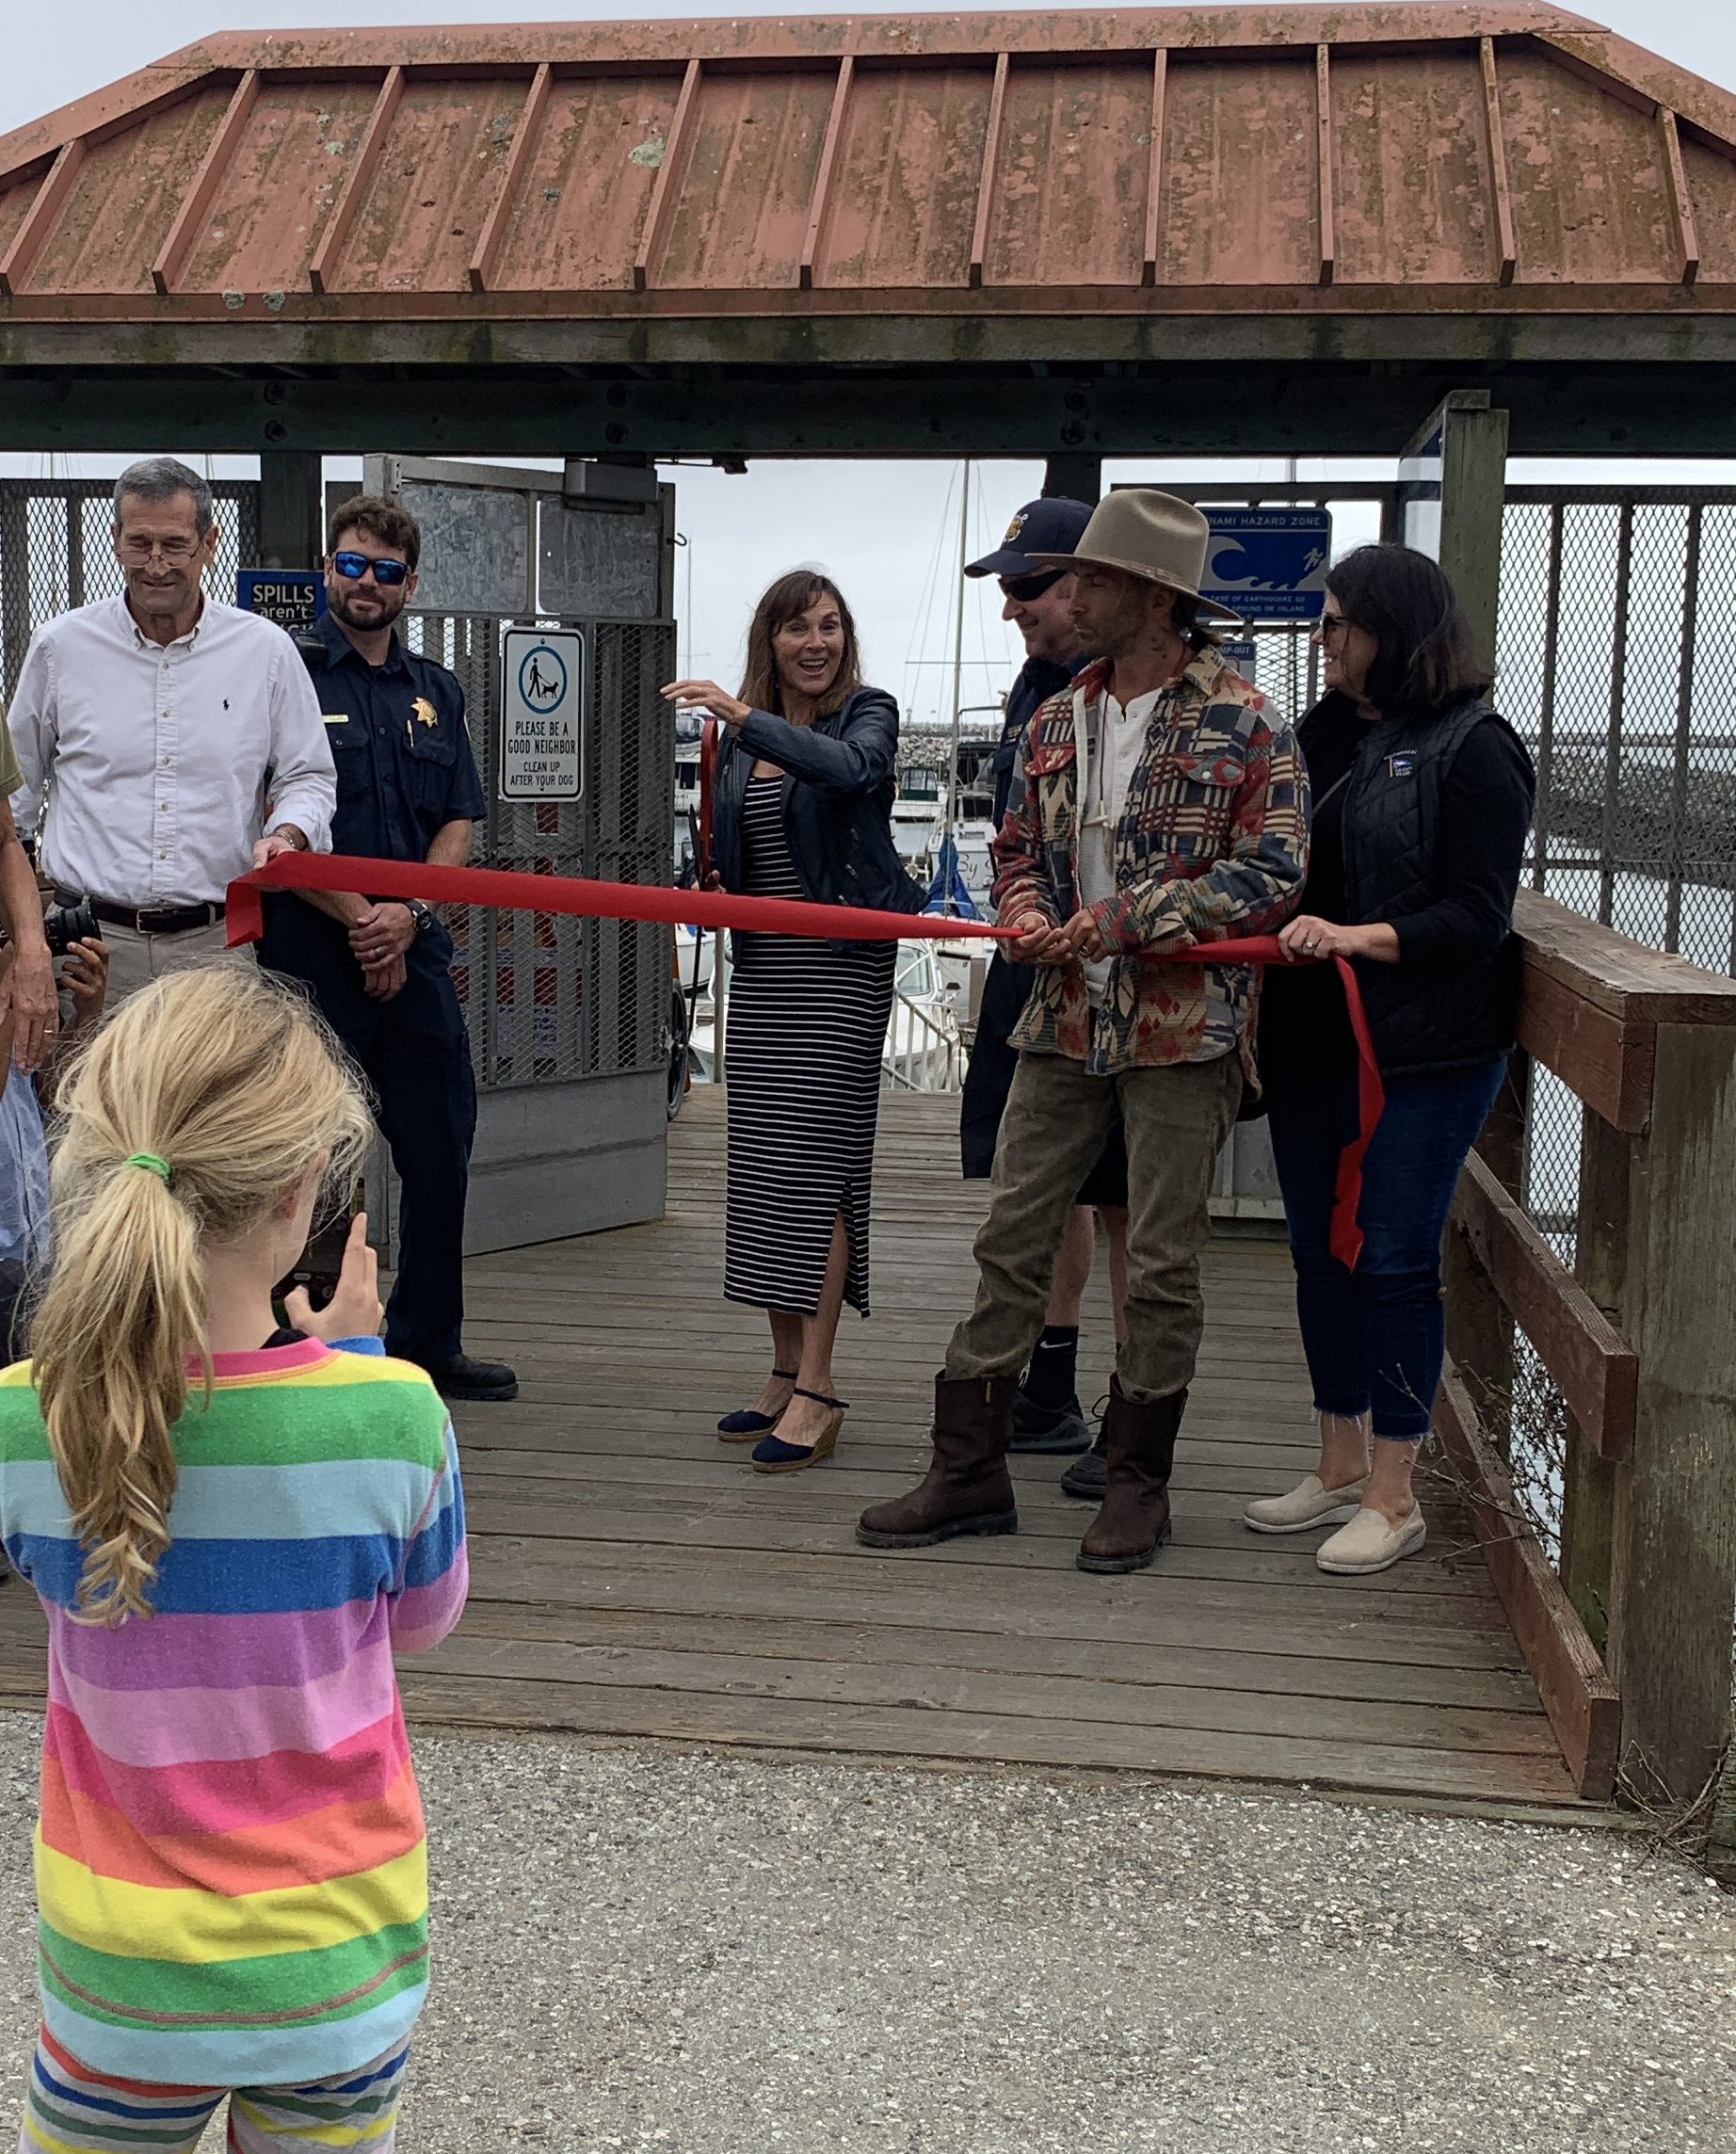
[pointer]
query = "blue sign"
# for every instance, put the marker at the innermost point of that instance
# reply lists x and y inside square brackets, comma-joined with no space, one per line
[1268,564]
[294,598]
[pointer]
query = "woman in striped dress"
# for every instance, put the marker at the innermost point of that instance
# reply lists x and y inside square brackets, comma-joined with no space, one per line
[802,809]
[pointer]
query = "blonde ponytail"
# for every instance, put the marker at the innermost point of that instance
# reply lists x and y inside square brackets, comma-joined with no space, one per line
[186,1121]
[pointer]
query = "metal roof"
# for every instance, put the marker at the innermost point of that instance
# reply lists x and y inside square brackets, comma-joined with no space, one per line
[1293,162]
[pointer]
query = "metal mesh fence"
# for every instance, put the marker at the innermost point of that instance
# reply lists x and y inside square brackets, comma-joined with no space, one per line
[55,552]
[1617,665]
[546,996]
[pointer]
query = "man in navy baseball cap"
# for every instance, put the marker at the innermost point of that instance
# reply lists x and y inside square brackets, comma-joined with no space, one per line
[1047,1415]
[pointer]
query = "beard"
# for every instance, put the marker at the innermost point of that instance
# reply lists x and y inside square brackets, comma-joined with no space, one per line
[365,612]
[1121,626]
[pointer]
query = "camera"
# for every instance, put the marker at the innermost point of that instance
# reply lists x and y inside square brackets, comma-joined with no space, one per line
[68,921]
[322,1260]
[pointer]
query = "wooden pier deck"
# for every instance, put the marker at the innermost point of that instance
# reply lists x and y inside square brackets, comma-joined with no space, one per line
[631,1577]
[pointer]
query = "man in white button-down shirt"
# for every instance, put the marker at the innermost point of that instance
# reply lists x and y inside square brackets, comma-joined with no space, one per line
[168,742]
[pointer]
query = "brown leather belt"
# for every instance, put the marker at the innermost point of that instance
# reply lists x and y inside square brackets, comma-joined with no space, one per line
[158,919]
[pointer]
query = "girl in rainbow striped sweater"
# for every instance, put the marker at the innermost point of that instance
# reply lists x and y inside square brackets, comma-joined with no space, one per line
[231,1528]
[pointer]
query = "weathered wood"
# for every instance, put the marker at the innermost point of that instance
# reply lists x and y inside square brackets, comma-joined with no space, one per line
[1597,1053]
[1588,1478]
[1593,1366]
[1612,972]
[1576,1689]
[1673,1583]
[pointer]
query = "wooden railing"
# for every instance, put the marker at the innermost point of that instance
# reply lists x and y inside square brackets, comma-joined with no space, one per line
[1629,1638]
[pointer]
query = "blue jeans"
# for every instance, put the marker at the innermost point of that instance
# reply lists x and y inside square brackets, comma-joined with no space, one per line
[1375,1337]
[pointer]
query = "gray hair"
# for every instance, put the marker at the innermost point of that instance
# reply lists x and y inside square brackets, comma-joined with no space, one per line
[160,478]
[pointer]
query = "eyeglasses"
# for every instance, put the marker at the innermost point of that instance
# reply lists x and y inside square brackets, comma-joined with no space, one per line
[1024,588]
[1330,626]
[136,547]
[353,567]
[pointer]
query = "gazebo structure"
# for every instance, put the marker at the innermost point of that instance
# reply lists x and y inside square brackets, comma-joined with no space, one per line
[1298,231]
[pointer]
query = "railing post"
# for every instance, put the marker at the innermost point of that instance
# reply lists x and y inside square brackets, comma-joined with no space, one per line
[1673,1554]
[1479,1327]
[1600,1265]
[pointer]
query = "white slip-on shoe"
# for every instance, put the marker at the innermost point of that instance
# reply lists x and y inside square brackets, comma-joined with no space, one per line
[1371,1542]
[1309,1503]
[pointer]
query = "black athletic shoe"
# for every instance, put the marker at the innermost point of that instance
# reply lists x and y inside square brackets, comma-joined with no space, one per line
[1088,1477]
[1049,1428]
[464,1378]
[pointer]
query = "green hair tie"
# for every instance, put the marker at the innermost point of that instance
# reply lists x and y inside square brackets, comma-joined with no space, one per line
[150,1161]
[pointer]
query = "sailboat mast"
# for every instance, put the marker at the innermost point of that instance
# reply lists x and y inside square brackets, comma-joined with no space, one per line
[952,767]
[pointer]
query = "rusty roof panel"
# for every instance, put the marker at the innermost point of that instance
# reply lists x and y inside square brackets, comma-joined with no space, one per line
[909,168]
[279,187]
[425,203]
[1412,186]
[746,180]
[1711,183]
[124,199]
[1587,178]
[1067,195]
[576,224]
[1338,158]
[1241,201]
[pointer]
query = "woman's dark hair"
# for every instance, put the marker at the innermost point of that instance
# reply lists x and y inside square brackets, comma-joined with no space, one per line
[1427,656]
[788,599]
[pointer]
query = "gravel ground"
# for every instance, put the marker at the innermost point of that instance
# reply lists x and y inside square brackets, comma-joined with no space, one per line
[661,1950]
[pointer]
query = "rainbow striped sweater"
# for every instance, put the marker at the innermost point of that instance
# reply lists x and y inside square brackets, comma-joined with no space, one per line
[232,1872]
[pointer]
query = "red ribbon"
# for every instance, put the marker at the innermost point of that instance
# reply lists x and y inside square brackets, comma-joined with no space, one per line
[511,890]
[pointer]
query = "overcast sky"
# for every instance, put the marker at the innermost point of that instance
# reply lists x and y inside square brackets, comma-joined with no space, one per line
[889,532]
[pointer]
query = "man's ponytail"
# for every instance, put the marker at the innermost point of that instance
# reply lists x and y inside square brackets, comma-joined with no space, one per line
[186,1119]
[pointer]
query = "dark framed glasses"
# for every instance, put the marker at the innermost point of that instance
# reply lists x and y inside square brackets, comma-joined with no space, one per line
[1024,588]
[353,567]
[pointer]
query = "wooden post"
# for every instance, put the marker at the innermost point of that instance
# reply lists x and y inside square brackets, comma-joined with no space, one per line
[1479,1326]
[1673,1567]
[1599,1264]
[291,510]
[1465,443]
[1078,478]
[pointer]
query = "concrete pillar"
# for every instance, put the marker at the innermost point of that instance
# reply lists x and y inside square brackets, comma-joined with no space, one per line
[291,510]
[1078,478]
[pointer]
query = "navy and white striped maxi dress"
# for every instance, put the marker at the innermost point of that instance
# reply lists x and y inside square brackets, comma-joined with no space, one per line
[807,1028]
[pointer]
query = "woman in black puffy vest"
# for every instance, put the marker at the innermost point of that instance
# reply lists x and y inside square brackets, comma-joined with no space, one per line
[1422,799]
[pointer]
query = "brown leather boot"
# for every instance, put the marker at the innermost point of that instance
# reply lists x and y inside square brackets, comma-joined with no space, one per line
[1134,1524]
[967,1489]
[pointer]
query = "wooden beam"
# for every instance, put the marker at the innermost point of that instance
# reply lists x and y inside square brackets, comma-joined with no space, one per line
[1604,1060]
[1152,259]
[1322,138]
[663,194]
[1504,242]
[195,203]
[523,142]
[1593,1366]
[823,177]
[1680,202]
[1614,973]
[984,185]
[38,219]
[1583,1704]
[355,181]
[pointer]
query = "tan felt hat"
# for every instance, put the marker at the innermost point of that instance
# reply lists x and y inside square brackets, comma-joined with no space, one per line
[1148,534]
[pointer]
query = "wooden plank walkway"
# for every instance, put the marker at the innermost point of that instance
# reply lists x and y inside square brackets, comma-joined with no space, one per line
[633,1578]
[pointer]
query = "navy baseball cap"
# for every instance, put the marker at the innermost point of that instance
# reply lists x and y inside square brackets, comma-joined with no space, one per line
[1054,524]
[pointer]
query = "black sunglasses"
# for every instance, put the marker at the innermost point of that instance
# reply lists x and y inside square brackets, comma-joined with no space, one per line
[1024,588]
[353,567]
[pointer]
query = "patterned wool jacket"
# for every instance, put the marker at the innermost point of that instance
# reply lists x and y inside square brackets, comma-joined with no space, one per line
[1211,842]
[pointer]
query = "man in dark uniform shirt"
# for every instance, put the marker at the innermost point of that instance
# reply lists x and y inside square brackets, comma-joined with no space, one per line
[407,790]
[1047,1415]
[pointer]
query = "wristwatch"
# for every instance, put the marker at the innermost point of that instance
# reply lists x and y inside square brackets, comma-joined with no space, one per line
[422,914]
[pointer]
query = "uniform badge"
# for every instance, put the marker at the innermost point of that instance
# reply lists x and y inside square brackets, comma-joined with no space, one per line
[1013,528]
[424,711]
[1401,765]
[336,718]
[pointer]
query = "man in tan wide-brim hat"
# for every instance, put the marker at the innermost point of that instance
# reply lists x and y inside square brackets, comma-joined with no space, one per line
[1158,805]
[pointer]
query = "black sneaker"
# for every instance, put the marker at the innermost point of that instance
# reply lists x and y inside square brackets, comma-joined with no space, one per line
[1088,1477]
[1049,1428]
[464,1378]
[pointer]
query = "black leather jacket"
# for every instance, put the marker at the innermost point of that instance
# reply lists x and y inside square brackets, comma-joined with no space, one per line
[837,802]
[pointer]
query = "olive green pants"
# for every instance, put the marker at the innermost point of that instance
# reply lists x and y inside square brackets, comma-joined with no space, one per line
[1057,1118]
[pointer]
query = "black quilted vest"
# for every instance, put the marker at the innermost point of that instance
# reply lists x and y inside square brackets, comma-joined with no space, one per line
[1419,1020]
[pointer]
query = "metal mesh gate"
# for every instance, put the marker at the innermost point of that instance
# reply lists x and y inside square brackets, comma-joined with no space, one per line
[55,552]
[545,996]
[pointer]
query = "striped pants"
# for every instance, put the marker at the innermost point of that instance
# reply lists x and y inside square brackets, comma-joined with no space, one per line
[72,2110]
